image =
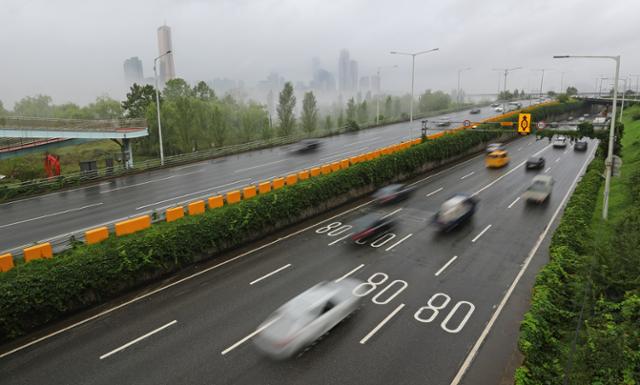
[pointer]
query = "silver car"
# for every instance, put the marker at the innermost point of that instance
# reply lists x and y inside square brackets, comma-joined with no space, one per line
[307,317]
[539,190]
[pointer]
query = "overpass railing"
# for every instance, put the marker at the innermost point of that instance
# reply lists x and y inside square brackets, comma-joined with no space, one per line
[35,123]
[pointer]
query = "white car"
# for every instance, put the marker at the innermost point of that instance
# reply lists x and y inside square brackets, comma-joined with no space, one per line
[539,190]
[560,142]
[307,317]
[498,109]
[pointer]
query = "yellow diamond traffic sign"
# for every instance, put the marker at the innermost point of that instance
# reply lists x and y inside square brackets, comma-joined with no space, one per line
[524,123]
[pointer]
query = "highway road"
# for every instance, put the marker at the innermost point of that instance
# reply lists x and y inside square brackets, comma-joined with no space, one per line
[59,214]
[432,299]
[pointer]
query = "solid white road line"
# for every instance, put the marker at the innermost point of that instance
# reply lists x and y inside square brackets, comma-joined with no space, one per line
[391,213]
[52,215]
[362,141]
[469,359]
[468,175]
[340,239]
[381,324]
[341,154]
[447,169]
[513,203]
[557,160]
[147,182]
[245,339]
[260,165]
[399,242]
[519,148]
[547,170]
[270,274]
[435,191]
[187,278]
[446,265]
[482,232]
[193,193]
[349,273]
[123,347]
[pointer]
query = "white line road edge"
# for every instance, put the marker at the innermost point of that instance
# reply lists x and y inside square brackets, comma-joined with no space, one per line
[260,165]
[481,233]
[446,265]
[193,193]
[123,347]
[163,288]
[469,359]
[52,215]
[349,273]
[270,274]
[150,181]
[381,324]
[245,339]
[435,191]
[513,203]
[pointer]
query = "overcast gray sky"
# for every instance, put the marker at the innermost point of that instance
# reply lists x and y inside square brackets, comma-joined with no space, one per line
[74,50]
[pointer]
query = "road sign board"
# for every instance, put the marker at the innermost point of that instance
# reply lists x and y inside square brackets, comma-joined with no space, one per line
[541,125]
[524,123]
[466,123]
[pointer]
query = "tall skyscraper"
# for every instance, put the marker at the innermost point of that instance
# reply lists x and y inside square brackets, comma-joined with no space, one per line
[353,75]
[133,70]
[167,68]
[344,74]
[375,84]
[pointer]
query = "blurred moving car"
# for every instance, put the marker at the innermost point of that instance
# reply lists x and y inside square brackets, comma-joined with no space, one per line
[443,122]
[497,159]
[454,211]
[560,141]
[498,109]
[580,145]
[539,190]
[494,105]
[491,147]
[553,125]
[307,317]
[392,193]
[475,111]
[370,226]
[306,145]
[535,162]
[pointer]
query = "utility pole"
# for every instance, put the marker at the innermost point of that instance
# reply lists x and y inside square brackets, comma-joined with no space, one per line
[506,73]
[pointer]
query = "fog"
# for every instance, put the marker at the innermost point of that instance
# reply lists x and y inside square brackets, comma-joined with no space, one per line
[74,50]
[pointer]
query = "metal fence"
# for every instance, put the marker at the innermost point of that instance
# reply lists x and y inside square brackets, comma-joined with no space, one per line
[34,123]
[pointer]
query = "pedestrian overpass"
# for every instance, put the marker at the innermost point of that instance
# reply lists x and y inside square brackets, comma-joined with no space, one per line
[122,131]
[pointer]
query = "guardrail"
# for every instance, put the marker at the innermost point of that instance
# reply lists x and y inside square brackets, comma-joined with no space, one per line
[35,123]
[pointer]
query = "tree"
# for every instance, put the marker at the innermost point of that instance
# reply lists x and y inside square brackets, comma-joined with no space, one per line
[433,101]
[177,88]
[3,112]
[309,116]
[516,93]
[286,104]
[388,107]
[104,108]
[363,113]
[351,110]
[37,106]
[138,100]
[202,91]
[572,91]
[340,119]
[328,123]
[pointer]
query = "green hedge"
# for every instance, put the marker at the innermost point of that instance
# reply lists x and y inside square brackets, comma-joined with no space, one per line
[554,308]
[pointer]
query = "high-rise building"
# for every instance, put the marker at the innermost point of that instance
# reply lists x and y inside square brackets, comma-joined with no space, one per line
[344,74]
[353,76]
[375,84]
[365,83]
[133,70]
[167,68]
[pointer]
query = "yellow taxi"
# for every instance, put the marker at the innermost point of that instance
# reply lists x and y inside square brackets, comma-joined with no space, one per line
[497,159]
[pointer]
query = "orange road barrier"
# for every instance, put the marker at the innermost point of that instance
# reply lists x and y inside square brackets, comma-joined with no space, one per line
[96,235]
[248,192]
[215,201]
[344,163]
[264,187]
[278,183]
[326,169]
[335,166]
[354,159]
[303,175]
[6,262]
[315,171]
[233,197]
[196,208]
[292,179]
[133,225]
[174,213]
[42,250]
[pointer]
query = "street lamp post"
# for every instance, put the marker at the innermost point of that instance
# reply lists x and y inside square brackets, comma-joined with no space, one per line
[413,65]
[609,161]
[562,81]
[378,95]
[542,79]
[458,89]
[155,75]
[506,72]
